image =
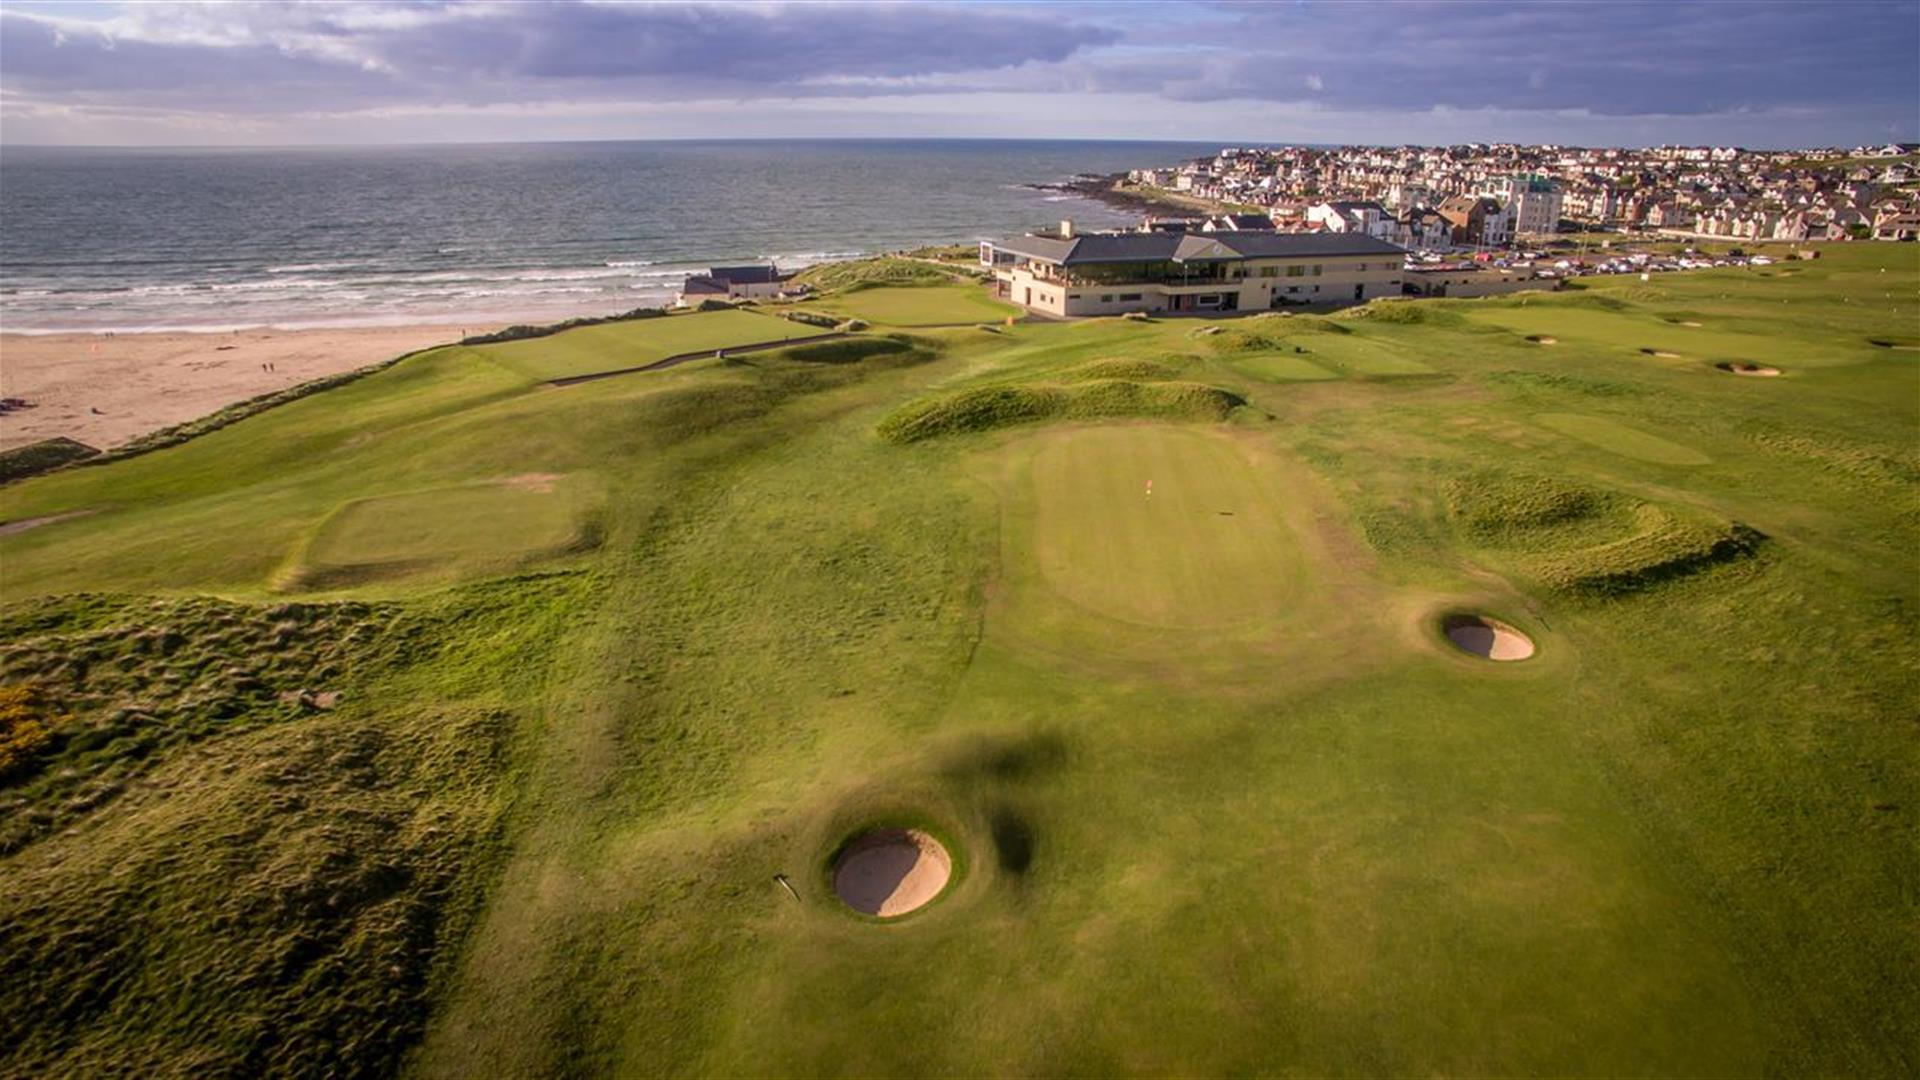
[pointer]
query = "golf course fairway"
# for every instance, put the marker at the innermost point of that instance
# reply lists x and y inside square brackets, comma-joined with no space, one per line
[1368,692]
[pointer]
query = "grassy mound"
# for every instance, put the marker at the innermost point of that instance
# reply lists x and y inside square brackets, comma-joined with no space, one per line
[1270,333]
[1137,370]
[989,407]
[43,456]
[1402,312]
[1663,546]
[1511,510]
[270,882]
[846,350]
[870,273]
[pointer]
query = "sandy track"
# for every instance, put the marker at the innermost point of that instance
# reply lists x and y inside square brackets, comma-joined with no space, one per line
[105,390]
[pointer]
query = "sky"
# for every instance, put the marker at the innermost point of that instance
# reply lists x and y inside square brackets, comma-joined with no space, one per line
[1756,74]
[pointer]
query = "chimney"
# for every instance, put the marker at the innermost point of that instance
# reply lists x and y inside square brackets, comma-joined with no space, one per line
[1066,228]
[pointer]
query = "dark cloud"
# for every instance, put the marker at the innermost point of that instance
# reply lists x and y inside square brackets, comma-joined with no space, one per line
[309,57]
[1620,59]
[1851,65]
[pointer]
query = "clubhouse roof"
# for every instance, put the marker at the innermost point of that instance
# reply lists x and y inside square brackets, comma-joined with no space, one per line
[1094,248]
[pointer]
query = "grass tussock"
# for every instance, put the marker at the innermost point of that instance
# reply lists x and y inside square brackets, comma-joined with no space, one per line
[256,834]
[989,407]
[872,273]
[1557,381]
[1875,466]
[43,456]
[1582,539]
[1663,546]
[810,318]
[119,682]
[1513,510]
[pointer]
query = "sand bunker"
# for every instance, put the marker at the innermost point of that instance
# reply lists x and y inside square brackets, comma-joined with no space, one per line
[1661,353]
[890,872]
[1487,638]
[1684,322]
[1756,370]
[1543,339]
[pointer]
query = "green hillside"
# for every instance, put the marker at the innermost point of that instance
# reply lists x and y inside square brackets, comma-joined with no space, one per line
[452,723]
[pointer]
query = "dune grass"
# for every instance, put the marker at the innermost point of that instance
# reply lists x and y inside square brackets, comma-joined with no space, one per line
[1225,800]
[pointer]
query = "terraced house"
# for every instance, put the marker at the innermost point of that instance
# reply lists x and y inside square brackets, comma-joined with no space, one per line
[1071,274]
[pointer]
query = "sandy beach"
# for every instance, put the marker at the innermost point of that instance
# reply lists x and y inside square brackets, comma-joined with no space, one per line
[107,389]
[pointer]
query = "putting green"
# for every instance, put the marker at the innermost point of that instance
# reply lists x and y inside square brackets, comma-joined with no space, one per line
[1279,367]
[1366,359]
[1621,439]
[1208,548]
[470,526]
[922,305]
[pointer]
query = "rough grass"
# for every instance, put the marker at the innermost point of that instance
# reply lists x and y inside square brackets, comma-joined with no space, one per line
[869,273]
[1559,381]
[268,883]
[43,456]
[1663,546]
[1137,370]
[1194,762]
[1272,333]
[989,407]
[1528,510]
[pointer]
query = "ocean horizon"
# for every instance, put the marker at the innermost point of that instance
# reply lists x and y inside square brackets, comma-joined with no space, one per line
[140,239]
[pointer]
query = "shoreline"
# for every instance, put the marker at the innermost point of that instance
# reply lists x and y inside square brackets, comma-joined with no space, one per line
[1113,190]
[107,389]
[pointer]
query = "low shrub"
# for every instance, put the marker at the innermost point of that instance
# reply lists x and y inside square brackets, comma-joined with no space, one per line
[524,331]
[811,318]
[43,456]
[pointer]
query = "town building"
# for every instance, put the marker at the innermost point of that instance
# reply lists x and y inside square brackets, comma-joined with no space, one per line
[1533,204]
[733,283]
[1070,274]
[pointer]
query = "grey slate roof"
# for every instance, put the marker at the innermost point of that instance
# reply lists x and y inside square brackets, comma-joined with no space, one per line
[1192,247]
[745,275]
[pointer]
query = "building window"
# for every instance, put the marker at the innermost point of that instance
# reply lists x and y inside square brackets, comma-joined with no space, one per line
[1269,271]
[1106,298]
[1128,297]
[1298,271]
[1316,269]
[1293,288]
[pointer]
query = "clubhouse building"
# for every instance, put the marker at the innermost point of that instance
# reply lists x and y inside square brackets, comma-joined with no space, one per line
[1069,274]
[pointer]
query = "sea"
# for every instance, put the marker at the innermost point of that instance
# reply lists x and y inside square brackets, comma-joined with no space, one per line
[131,240]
